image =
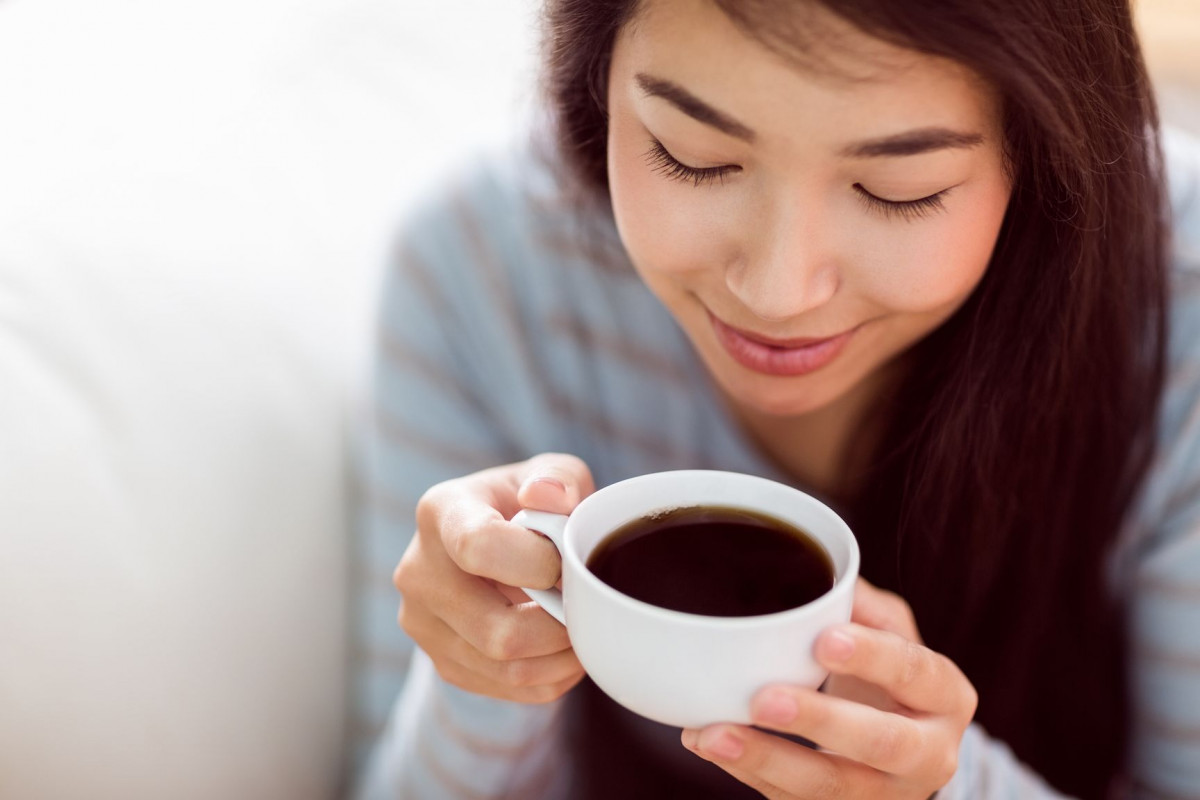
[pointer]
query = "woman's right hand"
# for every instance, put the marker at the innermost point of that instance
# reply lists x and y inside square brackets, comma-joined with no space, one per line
[459,575]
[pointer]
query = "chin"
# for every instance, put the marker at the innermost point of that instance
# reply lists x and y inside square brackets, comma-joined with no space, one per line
[781,401]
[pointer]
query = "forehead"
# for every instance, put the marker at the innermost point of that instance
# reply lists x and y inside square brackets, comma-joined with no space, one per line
[832,74]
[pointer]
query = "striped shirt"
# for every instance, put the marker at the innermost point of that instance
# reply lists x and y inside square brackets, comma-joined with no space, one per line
[513,325]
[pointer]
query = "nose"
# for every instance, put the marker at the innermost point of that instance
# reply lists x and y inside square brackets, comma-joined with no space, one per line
[789,270]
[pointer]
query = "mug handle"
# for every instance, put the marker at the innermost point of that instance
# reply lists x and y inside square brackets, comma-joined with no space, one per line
[552,526]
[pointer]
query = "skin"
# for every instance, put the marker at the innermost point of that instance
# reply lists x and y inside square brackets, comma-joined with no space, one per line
[785,246]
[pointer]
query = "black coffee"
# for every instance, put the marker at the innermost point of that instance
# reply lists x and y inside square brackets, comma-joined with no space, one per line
[716,561]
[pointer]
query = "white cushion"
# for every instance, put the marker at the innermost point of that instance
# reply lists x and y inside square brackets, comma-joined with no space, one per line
[194,199]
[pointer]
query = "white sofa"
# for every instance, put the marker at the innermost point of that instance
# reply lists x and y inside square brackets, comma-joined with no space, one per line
[194,200]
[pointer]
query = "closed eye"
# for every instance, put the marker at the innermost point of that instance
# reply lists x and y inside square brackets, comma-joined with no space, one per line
[906,209]
[662,162]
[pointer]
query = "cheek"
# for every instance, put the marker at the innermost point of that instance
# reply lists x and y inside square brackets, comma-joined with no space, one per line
[668,227]
[935,264]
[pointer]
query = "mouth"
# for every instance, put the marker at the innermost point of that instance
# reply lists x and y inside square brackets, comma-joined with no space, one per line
[784,357]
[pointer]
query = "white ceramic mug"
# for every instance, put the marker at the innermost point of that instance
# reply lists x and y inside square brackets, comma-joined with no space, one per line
[684,669]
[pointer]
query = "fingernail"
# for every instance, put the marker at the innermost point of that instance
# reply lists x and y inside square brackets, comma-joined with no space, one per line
[690,737]
[775,706]
[547,481]
[839,646]
[721,744]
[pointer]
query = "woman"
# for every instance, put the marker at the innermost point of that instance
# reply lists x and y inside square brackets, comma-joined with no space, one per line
[911,257]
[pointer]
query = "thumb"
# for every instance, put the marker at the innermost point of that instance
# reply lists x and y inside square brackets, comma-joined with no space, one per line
[555,482]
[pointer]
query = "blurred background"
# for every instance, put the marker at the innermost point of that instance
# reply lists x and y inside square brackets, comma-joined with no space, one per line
[1171,37]
[195,200]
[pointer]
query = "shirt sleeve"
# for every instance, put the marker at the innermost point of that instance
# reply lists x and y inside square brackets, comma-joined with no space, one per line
[988,770]
[1165,585]
[1165,653]
[435,417]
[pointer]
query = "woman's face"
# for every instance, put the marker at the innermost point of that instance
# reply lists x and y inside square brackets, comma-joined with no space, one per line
[804,226]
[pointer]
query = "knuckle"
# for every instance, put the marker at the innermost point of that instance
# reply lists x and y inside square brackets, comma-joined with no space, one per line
[911,665]
[417,623]
[889,742]
[503,642]
[427,508]
[448,673]
[945,766]
[404,620]
[971,701]
[521,673]
[828,780]
[400,575]
[540,695]
[404,575]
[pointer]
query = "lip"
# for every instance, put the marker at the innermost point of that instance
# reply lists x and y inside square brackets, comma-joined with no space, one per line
[785,357]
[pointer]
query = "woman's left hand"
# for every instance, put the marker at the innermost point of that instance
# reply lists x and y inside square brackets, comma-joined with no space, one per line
[888,725]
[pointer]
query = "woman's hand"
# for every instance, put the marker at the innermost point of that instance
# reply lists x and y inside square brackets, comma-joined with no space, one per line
[457,578]
[888,725]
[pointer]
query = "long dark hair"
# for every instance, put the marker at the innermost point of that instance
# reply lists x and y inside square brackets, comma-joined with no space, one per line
[1021,434]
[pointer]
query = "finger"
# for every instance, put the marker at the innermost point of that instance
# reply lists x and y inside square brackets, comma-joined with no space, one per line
[723,752]
[792,770]
[514,595]
[462,516]
[888,742]
[520,673]
[848,687]
[754,782]
[884,610]
[474,609]
[555,482]
[468,680]
[911,673]
[502,632]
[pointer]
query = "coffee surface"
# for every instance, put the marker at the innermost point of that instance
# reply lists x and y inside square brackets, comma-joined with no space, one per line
[715,561]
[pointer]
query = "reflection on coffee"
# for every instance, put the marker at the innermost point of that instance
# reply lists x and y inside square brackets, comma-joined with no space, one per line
[715,561]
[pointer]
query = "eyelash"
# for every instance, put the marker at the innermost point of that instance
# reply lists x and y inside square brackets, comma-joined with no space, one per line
[665,164]
[662,162]
[906,209]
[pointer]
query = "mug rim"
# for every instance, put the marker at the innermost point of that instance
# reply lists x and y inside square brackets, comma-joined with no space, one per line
[848,577]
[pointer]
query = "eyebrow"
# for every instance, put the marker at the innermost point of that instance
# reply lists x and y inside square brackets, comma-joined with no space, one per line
[909,143]
[912,143]
[693,106]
